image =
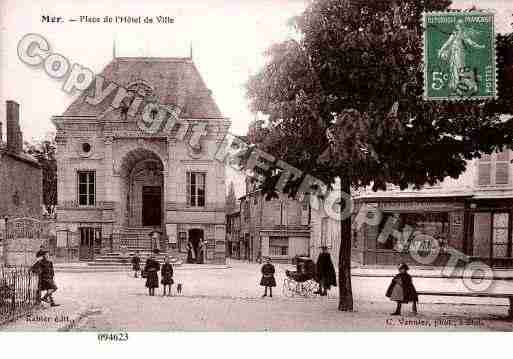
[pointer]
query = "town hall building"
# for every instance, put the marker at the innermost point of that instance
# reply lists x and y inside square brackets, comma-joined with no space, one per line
[118,181]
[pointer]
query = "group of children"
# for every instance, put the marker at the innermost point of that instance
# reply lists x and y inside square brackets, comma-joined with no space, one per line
[401,289]
[150,272]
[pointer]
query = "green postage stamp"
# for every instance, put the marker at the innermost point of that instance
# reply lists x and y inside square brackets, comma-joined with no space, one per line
[459,56]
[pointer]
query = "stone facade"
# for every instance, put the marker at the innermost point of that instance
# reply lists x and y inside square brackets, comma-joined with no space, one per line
[325,231]
[233,235]
[278,228]
[21,182]
[140,178]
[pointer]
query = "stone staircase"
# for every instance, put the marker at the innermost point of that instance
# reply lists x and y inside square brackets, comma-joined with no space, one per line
[135,239]
[118,259]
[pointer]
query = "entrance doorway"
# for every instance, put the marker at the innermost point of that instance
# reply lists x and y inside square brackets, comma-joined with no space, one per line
[151,206]
[195,238]
[90,243]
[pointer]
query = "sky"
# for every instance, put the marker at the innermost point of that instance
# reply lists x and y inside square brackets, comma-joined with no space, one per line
[228,39]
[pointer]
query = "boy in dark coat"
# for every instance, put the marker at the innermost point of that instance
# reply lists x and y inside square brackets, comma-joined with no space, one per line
[268,280]
[167,275]
[136,264]
[152,278]
[44,269]
[401,290]
[326,276]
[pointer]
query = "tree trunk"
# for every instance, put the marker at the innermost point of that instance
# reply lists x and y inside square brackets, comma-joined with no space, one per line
[344,257]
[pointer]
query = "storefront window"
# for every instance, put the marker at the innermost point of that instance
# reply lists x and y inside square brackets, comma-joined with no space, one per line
[413,230]
[278,246]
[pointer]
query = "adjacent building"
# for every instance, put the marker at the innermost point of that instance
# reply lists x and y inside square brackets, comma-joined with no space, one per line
[325,230]
[472,214]
[117,180]
[21,181]
[233,236]
[278,228]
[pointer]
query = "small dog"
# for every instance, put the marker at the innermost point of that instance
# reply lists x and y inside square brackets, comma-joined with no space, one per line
[179,288]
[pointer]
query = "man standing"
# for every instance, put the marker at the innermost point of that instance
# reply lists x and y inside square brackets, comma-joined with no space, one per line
[326,276]
[155,241]
[44,269]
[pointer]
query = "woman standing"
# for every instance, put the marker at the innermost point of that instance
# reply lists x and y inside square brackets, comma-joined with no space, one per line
[326,276]
[152,278]
[191,253]
[201,252]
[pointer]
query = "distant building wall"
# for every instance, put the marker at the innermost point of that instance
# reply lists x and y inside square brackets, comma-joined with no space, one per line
[22,187]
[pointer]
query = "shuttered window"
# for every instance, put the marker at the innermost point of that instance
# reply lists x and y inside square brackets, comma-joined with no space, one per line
[494,169]
[502,167]
[485,174]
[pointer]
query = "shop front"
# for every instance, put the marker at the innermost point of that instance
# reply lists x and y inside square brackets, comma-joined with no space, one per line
[418,231]
[411,230]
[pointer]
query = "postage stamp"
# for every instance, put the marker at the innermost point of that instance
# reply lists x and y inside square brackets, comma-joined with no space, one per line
[459,56]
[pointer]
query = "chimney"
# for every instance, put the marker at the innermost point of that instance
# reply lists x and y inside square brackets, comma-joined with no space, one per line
[14,136]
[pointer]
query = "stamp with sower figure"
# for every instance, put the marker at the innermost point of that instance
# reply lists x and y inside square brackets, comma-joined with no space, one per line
[459,56]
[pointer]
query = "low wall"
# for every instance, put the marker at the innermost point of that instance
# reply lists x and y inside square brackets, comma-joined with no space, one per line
[22,238]
[21,251]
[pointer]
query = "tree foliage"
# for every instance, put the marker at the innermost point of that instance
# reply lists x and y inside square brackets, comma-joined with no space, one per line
[44,151]
[345,100]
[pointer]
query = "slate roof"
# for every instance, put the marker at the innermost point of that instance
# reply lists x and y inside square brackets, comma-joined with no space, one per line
[174,81]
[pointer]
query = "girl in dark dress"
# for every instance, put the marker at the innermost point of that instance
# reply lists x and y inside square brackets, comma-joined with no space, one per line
[152,278]
[268,280]
[167,276]
[401,290]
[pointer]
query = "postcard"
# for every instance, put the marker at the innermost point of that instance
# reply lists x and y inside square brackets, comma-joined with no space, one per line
[256,166]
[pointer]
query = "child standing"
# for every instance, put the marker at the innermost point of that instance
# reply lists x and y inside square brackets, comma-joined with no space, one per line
[401,290]
[136,264]
[268,280]
[167,276]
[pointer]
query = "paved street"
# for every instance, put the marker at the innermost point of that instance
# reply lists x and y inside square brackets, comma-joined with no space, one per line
[229,299]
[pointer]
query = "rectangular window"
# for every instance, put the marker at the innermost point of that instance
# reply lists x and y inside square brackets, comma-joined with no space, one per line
[500,235]
[494,169]
[278,246]
[413,229]
[86,188]
[196,189]
[246,211]
[485,174]
[490,235]
[502,167]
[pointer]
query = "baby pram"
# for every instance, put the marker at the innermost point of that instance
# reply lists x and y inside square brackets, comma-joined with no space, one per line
[302,280]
